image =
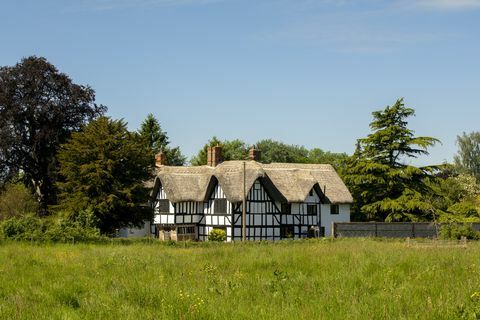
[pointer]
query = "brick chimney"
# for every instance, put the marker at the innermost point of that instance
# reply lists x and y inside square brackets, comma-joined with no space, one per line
[254,154]
[160,159]
[214,156]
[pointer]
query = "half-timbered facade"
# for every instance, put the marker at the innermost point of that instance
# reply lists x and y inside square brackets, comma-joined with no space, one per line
[282,200]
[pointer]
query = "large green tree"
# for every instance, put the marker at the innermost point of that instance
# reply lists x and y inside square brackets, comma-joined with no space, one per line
[39,108]
[384,186]
[468,155]
[157,141]
[272,151]
[276,151]
[104,167]
[231,150]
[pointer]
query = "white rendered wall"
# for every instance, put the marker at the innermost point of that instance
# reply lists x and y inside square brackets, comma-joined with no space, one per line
[327,219]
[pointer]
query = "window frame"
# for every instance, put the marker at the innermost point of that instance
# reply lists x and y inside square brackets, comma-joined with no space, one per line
[334,209]
[310,205]
[224,205]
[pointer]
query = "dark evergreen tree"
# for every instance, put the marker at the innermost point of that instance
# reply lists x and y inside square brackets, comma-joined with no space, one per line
[384,187]
[157,141]
[104,168]
[39,108]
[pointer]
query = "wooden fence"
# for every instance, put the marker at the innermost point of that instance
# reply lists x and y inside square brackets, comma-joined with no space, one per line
[389,229]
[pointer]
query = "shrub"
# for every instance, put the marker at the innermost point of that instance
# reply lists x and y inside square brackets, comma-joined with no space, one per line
[16,200]
[218,235]
[33,228]
[457,231]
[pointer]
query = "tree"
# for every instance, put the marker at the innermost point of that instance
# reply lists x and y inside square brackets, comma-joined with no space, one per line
[272,151]
[39,108]
[383,186]
[157,141]
[231,150]
[275,151]
[104,168]
[468,157]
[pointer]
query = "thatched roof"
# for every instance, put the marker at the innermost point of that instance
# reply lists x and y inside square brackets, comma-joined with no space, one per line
[185,183]
[230,177]
[291,181]
[295,180]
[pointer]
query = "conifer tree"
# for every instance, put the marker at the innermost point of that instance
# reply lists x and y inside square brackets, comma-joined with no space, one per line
[157,141]
[384,187]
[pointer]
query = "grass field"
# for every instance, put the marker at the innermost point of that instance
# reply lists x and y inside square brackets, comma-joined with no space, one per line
[342,279]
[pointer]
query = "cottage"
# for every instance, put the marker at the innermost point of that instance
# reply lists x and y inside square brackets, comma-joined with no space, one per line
[282,200]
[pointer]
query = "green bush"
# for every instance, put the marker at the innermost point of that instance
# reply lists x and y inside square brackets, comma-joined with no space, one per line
[458,230]
[33,228]
[218,235]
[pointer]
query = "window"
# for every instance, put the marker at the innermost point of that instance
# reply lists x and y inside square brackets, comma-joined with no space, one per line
[185,233]
[257,186]
[220,206]
[311,209]
[186,230]
[334,209]
[163,206]
[286,208]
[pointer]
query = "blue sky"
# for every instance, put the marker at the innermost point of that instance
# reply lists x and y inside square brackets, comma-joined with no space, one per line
[307,72]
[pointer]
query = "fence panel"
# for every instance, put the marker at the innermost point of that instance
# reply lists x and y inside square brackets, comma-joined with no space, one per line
[389,229]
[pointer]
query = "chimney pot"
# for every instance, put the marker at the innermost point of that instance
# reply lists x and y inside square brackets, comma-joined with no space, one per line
[214,156]
[254,154]
[160,159]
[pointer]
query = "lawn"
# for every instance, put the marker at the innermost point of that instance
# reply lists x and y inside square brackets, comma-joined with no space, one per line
[316,279]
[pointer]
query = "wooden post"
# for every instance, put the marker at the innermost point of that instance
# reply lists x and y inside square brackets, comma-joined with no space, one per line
[333,230]
[244,205]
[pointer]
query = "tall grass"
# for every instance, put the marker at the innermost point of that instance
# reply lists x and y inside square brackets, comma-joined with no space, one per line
[341,279]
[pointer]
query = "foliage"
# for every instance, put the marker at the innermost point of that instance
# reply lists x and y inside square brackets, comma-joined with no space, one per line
[383,186]
[104,167]
[157,141]
[231,150]
[39,108]
[457,198]
[16,200]
[218,235]
[318,155]
[457,231]
[38,229]
[271,151]
[275,151]
[237,281]
[468,156]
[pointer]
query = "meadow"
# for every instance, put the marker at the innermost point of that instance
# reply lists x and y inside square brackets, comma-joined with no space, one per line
[311,279]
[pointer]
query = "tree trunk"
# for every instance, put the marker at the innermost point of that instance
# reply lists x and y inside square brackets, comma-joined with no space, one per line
[41,197]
